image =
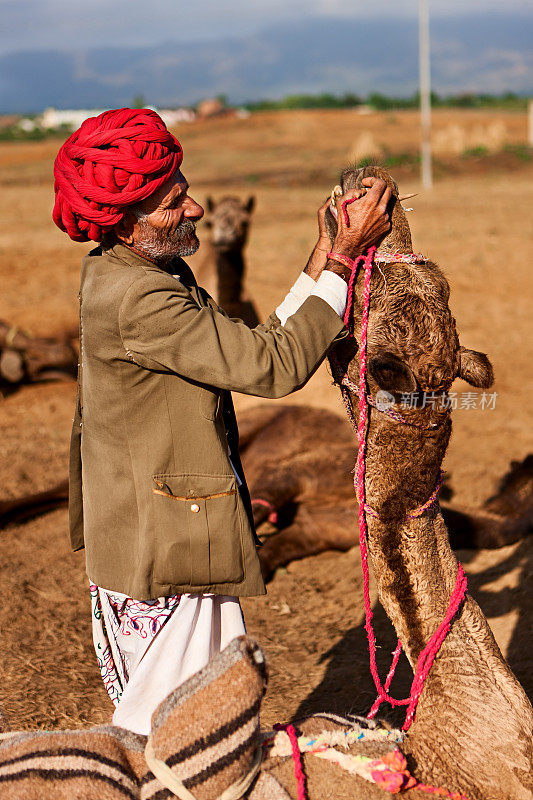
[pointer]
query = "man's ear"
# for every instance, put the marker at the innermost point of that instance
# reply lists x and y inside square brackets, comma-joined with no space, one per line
[250,203]
[391,373]
[124,230]
[475,368]
[209,204]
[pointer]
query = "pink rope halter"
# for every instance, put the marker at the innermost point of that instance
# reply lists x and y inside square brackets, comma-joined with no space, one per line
[428,654]
[273,515]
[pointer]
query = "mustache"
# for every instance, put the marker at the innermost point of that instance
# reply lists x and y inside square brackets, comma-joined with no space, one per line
[185,227]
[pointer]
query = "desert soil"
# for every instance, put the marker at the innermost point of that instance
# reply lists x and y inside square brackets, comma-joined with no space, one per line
[476,223]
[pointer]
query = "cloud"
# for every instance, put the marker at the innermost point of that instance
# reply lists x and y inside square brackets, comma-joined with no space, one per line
[72,24]
[489,54]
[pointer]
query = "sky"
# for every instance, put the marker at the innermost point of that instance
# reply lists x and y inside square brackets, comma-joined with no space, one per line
[70,24]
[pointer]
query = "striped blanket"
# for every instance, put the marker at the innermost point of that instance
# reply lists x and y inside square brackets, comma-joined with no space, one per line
[206,734]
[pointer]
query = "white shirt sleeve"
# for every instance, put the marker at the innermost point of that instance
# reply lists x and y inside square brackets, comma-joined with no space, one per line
[296,296]
[330,287]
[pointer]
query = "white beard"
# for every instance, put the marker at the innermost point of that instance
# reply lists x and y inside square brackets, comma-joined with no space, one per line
[163,247]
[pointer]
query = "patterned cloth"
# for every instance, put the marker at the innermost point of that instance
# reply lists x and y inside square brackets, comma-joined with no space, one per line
[124,617]
[146,649]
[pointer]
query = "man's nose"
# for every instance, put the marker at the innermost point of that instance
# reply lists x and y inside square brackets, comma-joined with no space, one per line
[194,210]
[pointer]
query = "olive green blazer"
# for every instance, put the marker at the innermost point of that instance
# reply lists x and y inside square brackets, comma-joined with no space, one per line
[153,496]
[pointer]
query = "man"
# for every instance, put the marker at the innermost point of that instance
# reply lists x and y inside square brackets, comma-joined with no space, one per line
[158,497]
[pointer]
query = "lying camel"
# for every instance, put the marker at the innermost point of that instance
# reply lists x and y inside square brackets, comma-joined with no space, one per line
[299,462]
[228,221]
[24,358]
[472,731]
[32,505]
[302,479]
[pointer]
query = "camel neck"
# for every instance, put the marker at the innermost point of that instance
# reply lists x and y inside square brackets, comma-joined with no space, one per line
[416,572]
[414,565]
[230,270]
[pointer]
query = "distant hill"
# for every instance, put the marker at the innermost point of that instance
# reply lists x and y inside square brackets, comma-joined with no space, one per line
[480,53]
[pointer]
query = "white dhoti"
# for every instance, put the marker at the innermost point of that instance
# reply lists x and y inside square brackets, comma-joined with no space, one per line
[146,649]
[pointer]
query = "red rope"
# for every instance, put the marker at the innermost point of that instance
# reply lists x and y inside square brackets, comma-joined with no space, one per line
[428,654]
[394,778]
[273,516]
[297,758]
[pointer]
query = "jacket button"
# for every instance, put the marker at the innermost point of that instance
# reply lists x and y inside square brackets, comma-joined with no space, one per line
[195,507]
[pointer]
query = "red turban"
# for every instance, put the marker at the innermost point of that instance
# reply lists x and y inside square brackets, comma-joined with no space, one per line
[113,161]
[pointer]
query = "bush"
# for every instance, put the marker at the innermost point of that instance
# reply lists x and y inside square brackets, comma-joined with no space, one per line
[383,102]
[477,151]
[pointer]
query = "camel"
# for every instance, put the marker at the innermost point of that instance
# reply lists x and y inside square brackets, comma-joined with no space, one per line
[24,358]
[474,723]
[472,731]
[229,222]
[302,479]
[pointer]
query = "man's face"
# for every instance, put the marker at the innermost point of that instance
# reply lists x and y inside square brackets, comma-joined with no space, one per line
[165,226]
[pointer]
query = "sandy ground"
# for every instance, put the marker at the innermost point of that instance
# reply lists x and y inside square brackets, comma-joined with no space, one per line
[475,224]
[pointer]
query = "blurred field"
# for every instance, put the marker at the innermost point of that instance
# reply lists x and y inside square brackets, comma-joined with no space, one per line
[476,224]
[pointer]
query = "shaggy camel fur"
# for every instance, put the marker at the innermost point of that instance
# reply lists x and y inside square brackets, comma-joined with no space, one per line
[229,223]
[24,358]
[300,460]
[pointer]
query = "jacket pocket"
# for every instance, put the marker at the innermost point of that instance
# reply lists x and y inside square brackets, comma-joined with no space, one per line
[198,520]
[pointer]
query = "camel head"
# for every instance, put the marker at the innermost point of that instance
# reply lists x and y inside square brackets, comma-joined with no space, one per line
[413,344]
[399,238]
[229,221]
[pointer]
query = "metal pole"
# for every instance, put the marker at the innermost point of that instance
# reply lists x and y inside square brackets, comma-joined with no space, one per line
[425,96]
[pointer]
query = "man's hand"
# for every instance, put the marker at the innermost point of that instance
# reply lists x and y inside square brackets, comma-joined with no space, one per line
[368,221]
[317,259]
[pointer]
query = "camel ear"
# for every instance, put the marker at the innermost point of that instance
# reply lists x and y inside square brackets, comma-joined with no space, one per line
[475,368]
[391,373]
[250,204]
[209,204]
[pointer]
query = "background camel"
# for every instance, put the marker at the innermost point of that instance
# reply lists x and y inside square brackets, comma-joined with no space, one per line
[221,270]
[27,359]
[298,462]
